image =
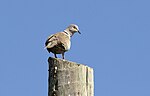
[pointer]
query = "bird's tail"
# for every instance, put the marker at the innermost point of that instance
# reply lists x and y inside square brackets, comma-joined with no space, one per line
[45,47]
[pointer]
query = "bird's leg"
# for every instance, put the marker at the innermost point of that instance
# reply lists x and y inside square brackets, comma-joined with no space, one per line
[63,56]
[55,55]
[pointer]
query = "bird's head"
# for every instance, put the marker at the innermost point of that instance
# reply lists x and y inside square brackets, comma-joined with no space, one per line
[73,28]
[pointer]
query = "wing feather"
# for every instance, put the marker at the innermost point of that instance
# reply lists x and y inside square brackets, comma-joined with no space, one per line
[51,41]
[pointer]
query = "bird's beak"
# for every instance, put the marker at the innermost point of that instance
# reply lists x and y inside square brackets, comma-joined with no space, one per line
[79,32]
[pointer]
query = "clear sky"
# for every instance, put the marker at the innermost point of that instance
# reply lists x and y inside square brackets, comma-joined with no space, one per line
[115,41]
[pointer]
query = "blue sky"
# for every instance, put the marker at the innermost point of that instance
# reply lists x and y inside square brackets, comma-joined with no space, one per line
[114,41]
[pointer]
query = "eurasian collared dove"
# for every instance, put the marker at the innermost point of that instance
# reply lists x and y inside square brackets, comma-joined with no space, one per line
[60,42]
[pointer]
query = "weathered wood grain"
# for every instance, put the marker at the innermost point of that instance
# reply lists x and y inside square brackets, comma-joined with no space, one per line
[69,78]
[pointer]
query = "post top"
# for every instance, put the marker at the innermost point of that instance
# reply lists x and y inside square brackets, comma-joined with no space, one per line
[63,61]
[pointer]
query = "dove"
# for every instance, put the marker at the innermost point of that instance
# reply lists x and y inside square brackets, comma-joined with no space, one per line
[60,42]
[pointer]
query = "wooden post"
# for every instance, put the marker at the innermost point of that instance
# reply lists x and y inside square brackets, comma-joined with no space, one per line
[69,78]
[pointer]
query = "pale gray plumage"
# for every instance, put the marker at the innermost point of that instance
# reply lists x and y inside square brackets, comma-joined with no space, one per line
[60,42]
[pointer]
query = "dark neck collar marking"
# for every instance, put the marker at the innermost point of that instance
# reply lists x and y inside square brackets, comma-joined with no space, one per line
[66,32]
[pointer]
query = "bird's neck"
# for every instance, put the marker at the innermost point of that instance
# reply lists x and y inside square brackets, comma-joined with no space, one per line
[68,32]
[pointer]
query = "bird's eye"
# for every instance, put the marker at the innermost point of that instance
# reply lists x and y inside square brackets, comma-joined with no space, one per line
[74,27]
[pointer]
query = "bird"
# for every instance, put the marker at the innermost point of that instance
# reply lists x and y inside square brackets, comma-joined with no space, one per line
[60,42]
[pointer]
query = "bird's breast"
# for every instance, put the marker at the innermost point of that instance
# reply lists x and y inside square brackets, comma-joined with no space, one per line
[68,45]
[65,39]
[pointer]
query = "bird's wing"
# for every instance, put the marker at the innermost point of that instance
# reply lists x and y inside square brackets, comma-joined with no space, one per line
[51,41]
